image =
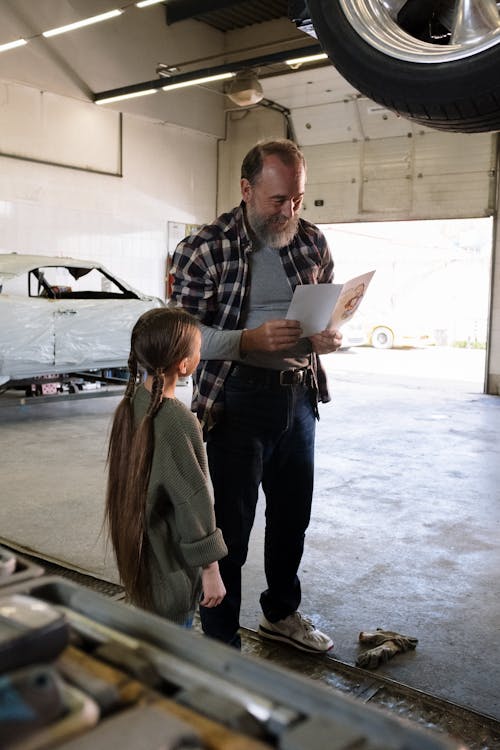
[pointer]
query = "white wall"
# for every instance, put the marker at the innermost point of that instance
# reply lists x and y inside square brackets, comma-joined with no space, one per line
[119,52]
[169,174]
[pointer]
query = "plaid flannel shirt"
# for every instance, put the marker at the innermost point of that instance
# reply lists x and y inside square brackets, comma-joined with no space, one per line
[210,279]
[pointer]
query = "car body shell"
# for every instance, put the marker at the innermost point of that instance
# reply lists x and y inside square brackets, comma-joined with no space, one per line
[48,328]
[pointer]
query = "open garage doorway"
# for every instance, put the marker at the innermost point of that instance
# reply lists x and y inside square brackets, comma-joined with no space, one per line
[425,314]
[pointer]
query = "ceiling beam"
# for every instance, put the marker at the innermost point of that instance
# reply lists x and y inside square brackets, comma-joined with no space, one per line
[159,83]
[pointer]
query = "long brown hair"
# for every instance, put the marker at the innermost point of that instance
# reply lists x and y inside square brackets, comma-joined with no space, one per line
[160,339]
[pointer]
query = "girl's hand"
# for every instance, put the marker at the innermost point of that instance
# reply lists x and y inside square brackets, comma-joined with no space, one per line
[214,590]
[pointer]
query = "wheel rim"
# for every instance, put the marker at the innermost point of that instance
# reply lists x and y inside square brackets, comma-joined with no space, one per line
[422,34]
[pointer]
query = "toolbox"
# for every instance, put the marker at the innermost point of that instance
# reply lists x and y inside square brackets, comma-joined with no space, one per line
[100,672]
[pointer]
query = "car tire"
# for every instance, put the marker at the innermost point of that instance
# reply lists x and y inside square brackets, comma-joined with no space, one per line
[387,57]
[382,338]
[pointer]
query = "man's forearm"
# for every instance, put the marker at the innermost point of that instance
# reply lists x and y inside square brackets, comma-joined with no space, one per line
[220,344]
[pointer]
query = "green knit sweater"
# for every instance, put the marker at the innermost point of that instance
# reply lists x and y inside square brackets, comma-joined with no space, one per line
[180,515]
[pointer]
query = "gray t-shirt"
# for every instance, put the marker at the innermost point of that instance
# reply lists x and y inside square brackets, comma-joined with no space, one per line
[269,299]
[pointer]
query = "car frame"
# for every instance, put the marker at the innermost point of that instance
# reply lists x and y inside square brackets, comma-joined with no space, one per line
[49,326]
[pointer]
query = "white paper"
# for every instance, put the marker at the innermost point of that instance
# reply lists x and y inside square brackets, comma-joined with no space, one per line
[321,306]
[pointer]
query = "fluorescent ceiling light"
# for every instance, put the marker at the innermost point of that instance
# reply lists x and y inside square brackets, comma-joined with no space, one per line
[11,45]
[197,81]
[83,22]
[119,97]
[309,58]
[145,3]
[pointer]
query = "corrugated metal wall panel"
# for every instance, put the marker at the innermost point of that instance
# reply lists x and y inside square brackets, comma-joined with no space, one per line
[332,164]
[340,199]
[451,196]
[317,119]
[386,197]
[333,176]
[453,153]
[387,158]
[386,172]
[378,122]
[327,123]
[419,175]
[432,175]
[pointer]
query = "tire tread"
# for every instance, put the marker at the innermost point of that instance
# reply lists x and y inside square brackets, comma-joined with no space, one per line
[433,94]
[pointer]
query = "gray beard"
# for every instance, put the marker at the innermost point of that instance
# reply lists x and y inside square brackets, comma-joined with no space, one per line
[266,229]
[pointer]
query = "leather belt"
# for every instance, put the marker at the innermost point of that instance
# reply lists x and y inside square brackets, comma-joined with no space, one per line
[270,378]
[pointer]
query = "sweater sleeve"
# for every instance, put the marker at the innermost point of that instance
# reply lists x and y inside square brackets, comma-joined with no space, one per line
[183,473]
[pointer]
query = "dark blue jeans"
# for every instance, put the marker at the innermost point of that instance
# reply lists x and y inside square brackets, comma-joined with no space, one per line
[266,436]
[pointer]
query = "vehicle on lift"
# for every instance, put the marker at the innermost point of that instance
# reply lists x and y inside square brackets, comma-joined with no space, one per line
[435,62]
[63,315]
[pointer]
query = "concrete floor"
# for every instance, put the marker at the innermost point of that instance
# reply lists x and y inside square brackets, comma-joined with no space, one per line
[405,526]
[404,533]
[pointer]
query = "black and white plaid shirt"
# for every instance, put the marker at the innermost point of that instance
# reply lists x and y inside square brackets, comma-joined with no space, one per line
[211,281]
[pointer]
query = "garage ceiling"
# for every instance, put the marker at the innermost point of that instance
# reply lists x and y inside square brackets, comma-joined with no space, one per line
[186,36]
[229,15]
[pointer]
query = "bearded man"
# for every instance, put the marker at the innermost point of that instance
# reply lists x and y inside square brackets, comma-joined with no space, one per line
[259,382]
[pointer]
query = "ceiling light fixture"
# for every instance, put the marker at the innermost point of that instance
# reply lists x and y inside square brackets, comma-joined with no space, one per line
[83,22]
[12,45]
[165,71]
[198,77]
[308,58]
[197,81]
[245,89]
[145,3]
[119,97]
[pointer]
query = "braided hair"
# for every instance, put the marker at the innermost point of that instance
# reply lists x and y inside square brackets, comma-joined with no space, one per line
[160,339]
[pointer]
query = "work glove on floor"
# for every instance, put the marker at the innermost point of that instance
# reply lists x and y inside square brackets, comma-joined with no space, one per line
[386,644]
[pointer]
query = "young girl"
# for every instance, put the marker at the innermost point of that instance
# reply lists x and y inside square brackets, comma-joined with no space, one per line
[159,506]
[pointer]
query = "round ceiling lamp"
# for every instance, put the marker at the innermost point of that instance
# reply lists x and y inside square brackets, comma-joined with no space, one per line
[245,88]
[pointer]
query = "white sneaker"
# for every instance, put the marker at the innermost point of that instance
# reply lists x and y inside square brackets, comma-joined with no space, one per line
[297,631]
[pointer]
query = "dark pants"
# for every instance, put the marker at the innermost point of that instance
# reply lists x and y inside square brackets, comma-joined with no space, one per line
[266,436]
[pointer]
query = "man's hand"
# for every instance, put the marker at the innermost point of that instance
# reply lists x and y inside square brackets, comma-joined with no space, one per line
[271,336]
[326,342]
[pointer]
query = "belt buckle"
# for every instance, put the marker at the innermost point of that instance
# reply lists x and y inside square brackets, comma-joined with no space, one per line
[291,377]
